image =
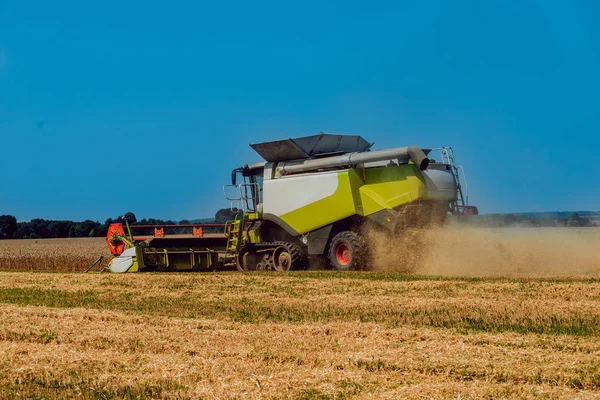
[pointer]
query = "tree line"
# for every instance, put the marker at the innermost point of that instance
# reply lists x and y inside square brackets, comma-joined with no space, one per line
[553,220]
[39,228]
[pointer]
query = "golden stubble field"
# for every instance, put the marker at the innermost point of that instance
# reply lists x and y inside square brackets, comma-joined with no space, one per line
[310,335]
[313,334]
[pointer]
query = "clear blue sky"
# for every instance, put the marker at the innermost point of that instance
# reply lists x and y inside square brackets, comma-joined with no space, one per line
[113,106]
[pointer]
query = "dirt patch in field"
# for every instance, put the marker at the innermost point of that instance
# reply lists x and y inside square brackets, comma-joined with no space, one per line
[490,252]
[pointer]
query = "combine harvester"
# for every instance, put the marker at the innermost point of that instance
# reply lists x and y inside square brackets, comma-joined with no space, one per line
[310,199]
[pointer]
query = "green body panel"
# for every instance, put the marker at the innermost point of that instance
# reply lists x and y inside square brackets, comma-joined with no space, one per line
[254,233]
[360,192]
[391,187]
[254,236]
[341,204]
[138,260]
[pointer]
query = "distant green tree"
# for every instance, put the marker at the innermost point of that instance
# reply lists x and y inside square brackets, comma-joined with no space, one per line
[25,231]
[40,228]
[184,230]
[59,229]
[129,217]
[224,215]
[86,228]
[8,226]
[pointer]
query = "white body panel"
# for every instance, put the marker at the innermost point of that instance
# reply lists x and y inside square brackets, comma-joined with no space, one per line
[283,195]
[123,262]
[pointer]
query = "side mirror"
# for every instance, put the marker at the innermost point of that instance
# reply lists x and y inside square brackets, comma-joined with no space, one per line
[233,177]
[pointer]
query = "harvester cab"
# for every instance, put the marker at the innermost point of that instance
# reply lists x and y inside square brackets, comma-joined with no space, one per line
[247,195]
[313,198]
[246,202]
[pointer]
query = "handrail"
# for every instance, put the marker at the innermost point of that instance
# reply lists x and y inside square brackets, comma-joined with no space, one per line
[464,178]
[447,154]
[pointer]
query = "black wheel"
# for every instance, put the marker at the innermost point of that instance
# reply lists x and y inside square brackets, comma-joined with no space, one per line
[244,258]
[347,251]
[261,266]
[289,257]
[241,260]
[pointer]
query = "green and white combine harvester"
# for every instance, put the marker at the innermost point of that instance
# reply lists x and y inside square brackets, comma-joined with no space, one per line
[308,203]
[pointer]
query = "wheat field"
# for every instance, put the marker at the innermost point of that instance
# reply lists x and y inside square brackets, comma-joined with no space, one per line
[495,332]
[66,255]
[306,335]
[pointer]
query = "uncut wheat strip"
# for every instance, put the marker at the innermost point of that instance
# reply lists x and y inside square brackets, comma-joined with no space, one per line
[51,254]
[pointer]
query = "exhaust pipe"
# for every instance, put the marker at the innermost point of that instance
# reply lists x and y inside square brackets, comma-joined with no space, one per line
[352,159]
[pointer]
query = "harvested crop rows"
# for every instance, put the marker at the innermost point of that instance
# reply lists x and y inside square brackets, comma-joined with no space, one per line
[307,335]
[522,320]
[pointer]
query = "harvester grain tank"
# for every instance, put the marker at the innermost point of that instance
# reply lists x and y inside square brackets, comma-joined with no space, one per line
[312,198]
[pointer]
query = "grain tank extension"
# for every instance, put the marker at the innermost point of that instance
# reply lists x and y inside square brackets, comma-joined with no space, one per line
[312,198]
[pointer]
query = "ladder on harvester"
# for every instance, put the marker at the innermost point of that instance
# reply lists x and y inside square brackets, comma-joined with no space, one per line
[234,235]
[461,205]
[243,199]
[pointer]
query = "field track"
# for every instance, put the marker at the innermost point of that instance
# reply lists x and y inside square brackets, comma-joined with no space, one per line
[307,335]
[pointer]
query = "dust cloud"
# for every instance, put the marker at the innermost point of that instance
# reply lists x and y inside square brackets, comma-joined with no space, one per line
[461,251]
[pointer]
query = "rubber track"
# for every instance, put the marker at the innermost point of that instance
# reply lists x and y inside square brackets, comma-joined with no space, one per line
[299,259]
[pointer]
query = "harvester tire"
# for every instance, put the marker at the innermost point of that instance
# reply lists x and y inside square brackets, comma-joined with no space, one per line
[347,251]
[242,258]
[288,257]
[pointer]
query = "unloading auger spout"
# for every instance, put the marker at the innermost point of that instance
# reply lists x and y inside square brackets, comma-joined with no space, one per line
[414,153]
